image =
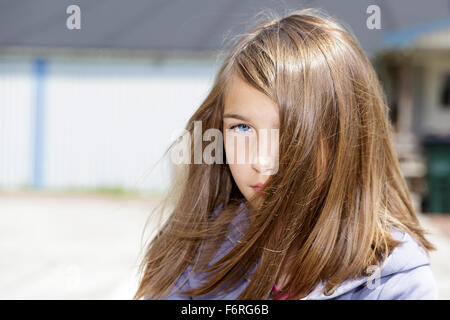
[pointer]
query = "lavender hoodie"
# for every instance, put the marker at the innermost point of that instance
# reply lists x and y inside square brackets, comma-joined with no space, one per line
[406,275]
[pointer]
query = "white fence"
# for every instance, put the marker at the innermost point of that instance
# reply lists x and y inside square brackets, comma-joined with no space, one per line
[79,123]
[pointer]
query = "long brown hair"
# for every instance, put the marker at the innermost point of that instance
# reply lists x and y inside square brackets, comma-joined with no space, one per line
[325,220]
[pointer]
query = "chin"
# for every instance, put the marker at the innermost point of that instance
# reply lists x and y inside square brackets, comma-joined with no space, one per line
[256,201]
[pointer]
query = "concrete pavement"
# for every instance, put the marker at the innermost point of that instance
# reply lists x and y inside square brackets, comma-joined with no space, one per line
[86,247]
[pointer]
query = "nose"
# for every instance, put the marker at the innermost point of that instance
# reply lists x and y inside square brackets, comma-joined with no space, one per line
[263,165]
[264,158]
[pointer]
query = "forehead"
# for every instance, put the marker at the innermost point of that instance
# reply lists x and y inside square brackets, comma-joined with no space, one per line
[246,101]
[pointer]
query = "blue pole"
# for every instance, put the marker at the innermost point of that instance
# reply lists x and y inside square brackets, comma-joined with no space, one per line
[39,122]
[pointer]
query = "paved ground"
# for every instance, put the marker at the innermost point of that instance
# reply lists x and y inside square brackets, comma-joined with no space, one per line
[439,226]
[71,247]
[65,247]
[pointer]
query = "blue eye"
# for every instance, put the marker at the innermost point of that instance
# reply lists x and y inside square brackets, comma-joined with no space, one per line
[241,126]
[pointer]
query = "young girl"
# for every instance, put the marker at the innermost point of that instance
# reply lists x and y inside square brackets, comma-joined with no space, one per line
[326,216]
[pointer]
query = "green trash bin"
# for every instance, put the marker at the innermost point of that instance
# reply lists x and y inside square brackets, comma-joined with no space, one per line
[438,178]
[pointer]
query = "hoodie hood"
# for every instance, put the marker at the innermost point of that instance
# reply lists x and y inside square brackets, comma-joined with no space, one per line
[409,255]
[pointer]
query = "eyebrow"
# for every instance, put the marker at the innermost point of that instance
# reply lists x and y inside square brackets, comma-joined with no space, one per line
[235,116]
[238,116]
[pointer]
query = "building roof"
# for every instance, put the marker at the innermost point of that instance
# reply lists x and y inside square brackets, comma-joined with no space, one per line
[196,25]
[431,35]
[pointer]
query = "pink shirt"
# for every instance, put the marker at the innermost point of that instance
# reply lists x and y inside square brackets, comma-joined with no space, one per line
[275,289]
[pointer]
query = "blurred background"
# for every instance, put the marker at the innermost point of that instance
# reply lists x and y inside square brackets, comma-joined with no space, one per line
[91,93]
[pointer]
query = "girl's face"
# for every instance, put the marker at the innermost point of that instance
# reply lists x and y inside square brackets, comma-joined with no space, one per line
[249,116]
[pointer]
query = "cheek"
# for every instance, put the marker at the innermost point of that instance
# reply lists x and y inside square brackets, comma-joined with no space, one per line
[238,170]
[240,149]
[239,173]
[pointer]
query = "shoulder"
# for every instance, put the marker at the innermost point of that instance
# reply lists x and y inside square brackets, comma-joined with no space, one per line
[407,273]
[190,279]
[413,284]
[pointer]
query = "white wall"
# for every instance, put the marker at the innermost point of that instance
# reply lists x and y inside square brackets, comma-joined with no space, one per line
[15,122]
[107,122]
[435,119]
